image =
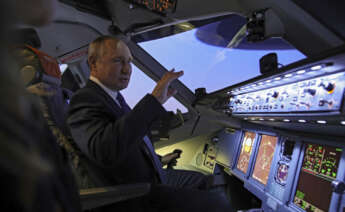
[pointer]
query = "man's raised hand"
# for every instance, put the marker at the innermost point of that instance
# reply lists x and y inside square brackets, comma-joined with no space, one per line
[162,92]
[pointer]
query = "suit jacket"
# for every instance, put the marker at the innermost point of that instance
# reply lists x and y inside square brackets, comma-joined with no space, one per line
[113,142]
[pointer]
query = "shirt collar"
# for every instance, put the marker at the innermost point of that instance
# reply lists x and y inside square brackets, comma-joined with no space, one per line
[112,93]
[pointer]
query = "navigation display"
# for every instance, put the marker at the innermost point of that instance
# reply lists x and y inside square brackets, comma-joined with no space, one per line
[264,158]
[319,169]
[246,151]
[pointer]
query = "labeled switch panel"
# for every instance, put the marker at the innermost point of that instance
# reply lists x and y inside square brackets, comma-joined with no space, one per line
[210,159]
[319,94]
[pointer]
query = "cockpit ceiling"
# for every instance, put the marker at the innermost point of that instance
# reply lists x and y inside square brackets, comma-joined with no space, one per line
[217,31]
[95,7]
[310,33]
[299,28]
[329,13]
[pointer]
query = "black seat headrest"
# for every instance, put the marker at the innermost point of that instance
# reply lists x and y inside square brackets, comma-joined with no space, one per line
[26,36]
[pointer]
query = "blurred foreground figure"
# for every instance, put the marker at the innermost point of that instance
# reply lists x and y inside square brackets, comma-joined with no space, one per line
[34,171]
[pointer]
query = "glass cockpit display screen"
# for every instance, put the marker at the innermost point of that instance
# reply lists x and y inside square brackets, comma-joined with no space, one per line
[264,158]
[246,151]
[319,169]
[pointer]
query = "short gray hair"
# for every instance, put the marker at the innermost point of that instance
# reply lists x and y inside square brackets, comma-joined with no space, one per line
[96,47]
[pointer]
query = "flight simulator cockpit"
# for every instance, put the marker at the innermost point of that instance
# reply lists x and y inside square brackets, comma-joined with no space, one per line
[290,147]
[279,132]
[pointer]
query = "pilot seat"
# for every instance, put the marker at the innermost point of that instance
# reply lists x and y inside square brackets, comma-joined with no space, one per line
[42,77]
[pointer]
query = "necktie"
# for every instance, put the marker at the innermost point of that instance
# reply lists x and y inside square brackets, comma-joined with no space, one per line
[149,147]
[124,106]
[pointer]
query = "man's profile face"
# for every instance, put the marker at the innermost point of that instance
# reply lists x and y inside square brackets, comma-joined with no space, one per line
[113,66]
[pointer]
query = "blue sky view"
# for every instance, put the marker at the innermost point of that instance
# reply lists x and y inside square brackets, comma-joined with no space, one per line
[204,65]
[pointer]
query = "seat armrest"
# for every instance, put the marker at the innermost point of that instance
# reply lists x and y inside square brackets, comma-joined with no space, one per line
[97,197]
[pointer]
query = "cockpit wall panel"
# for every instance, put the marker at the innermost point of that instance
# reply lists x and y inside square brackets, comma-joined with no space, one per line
[70,30]
[64,36]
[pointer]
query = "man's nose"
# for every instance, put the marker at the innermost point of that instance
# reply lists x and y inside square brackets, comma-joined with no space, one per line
[126,69]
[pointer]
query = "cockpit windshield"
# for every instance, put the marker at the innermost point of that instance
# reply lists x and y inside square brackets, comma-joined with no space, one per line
[210,66]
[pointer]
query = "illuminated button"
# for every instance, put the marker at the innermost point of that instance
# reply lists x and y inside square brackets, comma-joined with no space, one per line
[302,121]
[317,67]
[301,71]
[286,120]
[288,75]
[342,122]
[271,119]
[321,122]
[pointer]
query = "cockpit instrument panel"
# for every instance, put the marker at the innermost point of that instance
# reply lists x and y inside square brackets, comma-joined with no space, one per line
[319,169]
[264,158]
[313,95]
[246,151]
[160,6]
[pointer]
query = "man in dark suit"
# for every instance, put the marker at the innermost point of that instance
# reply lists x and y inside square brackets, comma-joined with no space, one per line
[114,137]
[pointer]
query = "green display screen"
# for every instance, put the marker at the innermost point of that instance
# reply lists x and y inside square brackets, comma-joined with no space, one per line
[319,169]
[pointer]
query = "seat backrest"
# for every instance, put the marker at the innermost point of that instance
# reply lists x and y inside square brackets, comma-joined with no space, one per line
[44,80]
[48,64]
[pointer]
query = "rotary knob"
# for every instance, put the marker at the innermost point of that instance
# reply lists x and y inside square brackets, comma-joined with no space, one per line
[323,102]
[329,87]
[238,101]
[275,94]
[310,91]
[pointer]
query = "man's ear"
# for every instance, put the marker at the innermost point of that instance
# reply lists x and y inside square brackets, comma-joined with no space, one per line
[92,63]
